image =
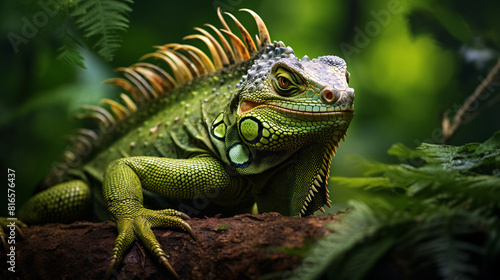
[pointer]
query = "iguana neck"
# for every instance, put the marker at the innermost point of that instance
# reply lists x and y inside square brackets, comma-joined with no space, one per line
[280,189]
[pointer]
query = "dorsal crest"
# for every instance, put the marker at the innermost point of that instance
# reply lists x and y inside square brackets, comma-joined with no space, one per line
[145,82]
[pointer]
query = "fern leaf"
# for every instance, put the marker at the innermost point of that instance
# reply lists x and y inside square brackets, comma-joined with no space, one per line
[339,255]
[102,20]
[448,241]
[444,225]
[68,52]
[364,182]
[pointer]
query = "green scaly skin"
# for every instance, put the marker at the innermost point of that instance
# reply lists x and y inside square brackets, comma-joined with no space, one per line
[261,132]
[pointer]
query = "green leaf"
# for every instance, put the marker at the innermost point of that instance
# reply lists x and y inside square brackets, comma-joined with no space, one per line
[68,52]
[492,145]
[401,151]
[441,241]
[453,22]
[365,182]
[102,20]
[443,225]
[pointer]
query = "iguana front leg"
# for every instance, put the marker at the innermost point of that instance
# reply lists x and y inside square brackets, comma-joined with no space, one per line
[63,203]
[180,178]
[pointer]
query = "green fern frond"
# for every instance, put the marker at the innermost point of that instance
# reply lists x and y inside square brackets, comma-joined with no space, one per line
[443,225]
[339,256]
[367,183]
[102,20]
[68,52]
[447,241]
[458,175]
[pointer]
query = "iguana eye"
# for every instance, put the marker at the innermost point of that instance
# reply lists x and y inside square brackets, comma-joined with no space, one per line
[347,75]
[283,82]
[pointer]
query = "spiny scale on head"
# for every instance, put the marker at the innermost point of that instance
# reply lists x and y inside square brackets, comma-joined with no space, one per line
[260,69]
[146,82]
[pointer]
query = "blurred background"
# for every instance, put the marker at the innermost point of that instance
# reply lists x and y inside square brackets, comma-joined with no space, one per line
[409,63]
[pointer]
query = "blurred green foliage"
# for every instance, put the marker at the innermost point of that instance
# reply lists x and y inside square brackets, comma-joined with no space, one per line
[409,62]
[433,216]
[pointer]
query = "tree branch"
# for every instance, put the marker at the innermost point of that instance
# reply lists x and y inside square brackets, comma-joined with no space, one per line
[240,247]
[460,117]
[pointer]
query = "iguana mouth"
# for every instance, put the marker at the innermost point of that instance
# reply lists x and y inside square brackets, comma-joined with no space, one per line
[348,112]
[247,105]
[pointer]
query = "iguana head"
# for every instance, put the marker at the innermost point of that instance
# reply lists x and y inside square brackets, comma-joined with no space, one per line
[290,110]
[285,102]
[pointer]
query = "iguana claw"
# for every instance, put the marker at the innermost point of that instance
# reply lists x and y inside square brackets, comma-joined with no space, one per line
[164,262]
[139,228]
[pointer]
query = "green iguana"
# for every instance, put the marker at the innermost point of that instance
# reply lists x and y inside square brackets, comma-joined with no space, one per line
[252,128]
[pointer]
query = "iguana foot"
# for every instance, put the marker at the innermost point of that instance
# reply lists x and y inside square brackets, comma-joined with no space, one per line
[10,225]
[139,226]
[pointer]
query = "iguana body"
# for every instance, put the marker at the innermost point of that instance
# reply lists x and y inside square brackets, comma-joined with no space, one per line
[255,126]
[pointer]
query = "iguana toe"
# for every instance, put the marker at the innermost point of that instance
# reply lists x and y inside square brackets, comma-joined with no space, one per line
[172,218]
[139,227]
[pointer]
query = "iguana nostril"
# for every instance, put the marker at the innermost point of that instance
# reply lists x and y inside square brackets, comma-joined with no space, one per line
[329,96]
